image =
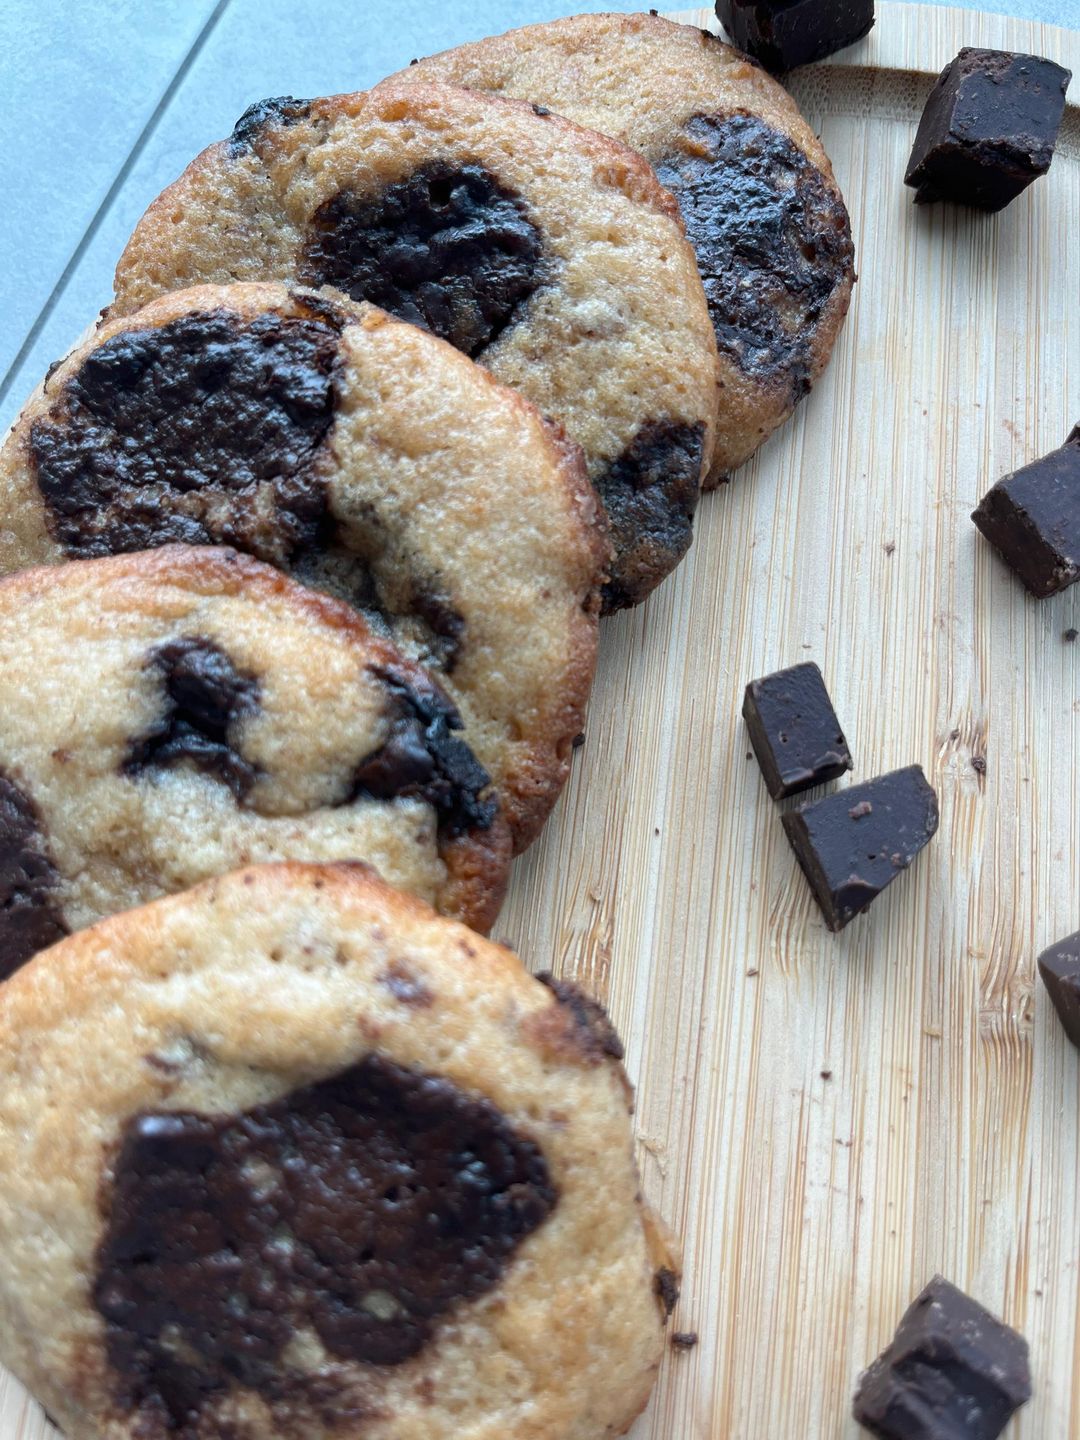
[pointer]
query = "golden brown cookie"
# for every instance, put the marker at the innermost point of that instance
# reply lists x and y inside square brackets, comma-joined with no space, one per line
[549,253]
[762,208]
[168,716]
[290,1156]
[363,457]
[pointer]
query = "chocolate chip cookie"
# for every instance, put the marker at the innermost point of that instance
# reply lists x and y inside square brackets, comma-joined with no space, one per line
[290,1155]
[546,252]
[167,716]
[756,189]
[362,456]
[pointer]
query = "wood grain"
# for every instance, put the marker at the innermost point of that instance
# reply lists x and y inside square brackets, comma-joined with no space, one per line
[828,1120]
[812,1209]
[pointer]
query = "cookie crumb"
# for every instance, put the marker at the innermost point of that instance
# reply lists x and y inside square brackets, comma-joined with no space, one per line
[1070,635]
[889,547]
[826,1074]
[978,764]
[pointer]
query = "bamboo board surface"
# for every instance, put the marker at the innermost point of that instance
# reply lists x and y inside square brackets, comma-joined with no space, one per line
[828,1120]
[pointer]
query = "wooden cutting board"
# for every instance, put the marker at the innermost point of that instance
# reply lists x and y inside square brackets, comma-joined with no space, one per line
[828,1120]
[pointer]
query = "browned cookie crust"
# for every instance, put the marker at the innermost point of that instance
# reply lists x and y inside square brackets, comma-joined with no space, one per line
[362,456]
[756,189]
[170,715]
[290,1155]
[549,253]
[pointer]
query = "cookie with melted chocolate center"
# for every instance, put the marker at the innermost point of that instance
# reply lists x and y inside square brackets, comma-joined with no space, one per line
[169,715]
[361,456]
[757,193]
[289,1154]
[548,253]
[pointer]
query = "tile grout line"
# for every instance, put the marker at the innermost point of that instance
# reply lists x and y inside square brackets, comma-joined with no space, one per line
[114,189]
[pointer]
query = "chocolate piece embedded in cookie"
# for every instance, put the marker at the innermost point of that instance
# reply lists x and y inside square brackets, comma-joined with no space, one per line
[402,1196]
[364,458]
[855,842]
[761,207]
[30,918]
[448,248]
[329,1164]
[214,712]
[988,129]
[205,698]
[209,428]
[1032,519]
[951,1370]
[785,33]
[794,730]
[1059,968]
[550,254]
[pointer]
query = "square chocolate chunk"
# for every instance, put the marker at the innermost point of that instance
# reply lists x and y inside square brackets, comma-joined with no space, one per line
[785,33]
[856,841]
[952,1371]
[1032,519]
[988,129]
[794,730]
[1060,970]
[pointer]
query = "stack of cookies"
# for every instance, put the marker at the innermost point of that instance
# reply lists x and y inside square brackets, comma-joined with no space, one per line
[307,552]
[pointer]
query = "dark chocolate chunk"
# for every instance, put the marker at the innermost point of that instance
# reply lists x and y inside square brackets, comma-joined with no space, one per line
[423,759]
[650,493]
[850,853]
[281,110]
[205,696]
[785,33]
[1059,967]
[362,1209]
[988,129]
[30,918]
[666,1288]
[684,1339]
[952,1372]
[1032,519]
[597,1032]
[794,730]
[449,249]
[447,627]
[772,242]
[206,430]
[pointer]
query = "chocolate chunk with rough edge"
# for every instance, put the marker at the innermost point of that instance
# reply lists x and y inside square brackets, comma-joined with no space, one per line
[785,33]
[1032,519]
[450,249]
[650,493]
[794,730]
[362,1208]
[204,697]
[772,242]
[278,110]
[1059,967]
[599,1037]
[850,854]
[30,919]
[206,430]
[952,1372]
[666,1288]
[447,628]
[423,759]
[988,129]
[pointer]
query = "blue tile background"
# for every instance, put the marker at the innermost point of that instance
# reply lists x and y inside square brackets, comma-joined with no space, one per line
[103,102]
